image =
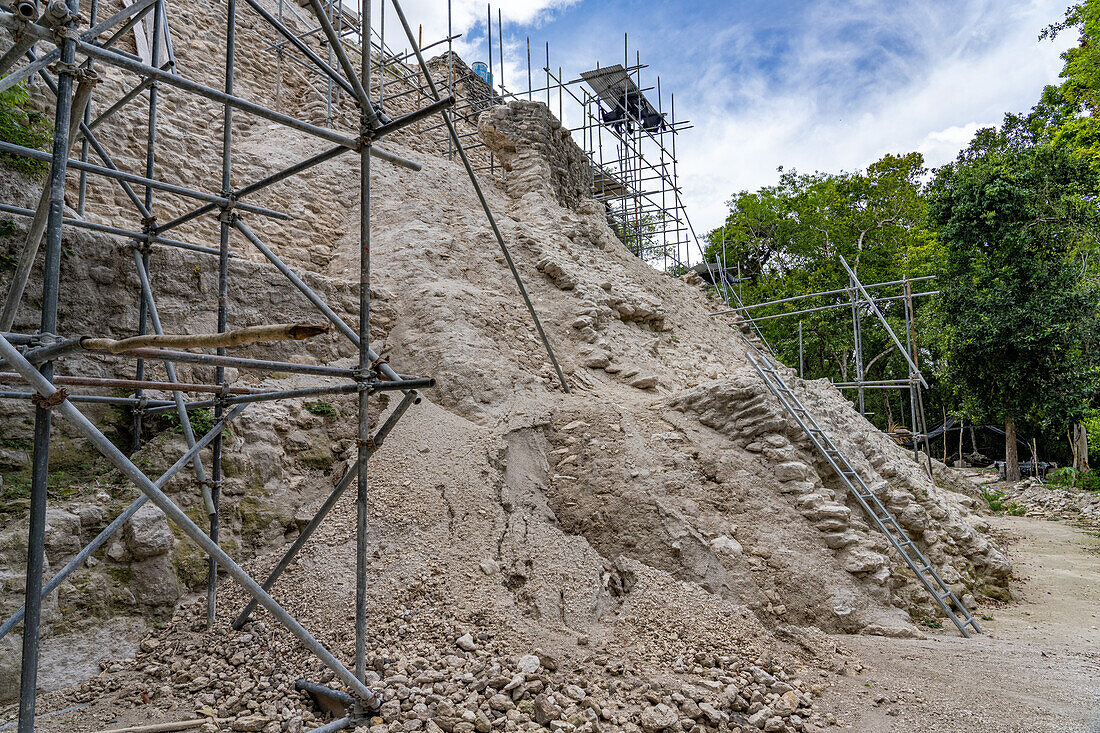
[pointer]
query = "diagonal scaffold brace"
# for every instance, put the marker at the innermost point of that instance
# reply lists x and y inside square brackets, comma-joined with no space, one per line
[457,141]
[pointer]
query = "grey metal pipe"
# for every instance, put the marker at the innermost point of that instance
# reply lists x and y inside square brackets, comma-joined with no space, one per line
[148,352]
[370,120]
[142,180]
[92,399]
[263,397]
[18,49]
[329,503]
[52,351]
[404,385]
[100,539]
[92,226]
[339,724]
[480,194]
[51,284]
[832,306]
[26,72]
[839,291]
[42,385]
[214,513]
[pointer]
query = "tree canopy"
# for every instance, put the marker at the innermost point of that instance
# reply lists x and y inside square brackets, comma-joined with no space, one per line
[785,241]
[1010,228]
[1018,308]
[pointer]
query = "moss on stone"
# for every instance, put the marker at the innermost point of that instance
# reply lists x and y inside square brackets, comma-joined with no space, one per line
[319,457]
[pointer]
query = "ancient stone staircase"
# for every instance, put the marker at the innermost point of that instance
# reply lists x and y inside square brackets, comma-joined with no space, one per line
[871,504]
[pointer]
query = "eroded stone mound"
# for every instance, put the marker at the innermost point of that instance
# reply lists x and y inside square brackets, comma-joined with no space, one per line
[663,532]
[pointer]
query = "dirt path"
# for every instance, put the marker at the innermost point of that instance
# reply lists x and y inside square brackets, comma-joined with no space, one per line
[1036,669]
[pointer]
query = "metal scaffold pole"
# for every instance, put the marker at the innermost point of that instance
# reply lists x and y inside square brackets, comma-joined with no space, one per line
[31,356]
[36,532]
[224,222]
[364,367]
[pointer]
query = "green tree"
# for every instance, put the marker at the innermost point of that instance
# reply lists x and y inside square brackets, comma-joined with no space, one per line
[1017,313]
[785,239]
[1068,115]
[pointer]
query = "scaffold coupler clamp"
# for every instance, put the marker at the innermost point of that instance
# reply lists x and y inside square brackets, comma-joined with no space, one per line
[48,402]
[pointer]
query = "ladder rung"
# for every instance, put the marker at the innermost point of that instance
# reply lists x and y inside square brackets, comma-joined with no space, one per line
[871,503]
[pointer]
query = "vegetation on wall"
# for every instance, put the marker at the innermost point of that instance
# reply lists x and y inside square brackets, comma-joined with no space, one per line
[20,124]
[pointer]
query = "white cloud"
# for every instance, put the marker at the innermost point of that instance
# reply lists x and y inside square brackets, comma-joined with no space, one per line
[833,86]
[428,19]
[989,63]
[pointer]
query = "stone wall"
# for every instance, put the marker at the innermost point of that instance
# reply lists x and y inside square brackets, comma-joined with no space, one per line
[468,87]
[536,152]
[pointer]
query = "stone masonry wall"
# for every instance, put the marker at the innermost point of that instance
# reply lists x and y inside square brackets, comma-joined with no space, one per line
[537,153]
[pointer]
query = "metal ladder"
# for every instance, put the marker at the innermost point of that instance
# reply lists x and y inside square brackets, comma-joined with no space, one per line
[871,504]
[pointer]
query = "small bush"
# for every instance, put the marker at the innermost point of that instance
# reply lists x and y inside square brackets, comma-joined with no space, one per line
[1067,477]
[322,408]
[1064,476]
[995,500]
[21,125]
[997,503]
[202,421]
[1089,481]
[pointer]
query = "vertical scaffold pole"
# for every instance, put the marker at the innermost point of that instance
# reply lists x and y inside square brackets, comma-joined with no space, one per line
[51,282]
[223,303]
[364,371]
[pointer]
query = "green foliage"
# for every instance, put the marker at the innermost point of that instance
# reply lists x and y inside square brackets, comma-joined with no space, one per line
[1091,421]
[1089,481]
[784,240]
[7,227]
[997,503]
[1017,317]
[1068,477]
[322,408]
[1064,476]
[21,125]
[1067,114]
[202,422]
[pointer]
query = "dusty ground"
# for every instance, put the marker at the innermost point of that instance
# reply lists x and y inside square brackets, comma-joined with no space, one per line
[1036,669]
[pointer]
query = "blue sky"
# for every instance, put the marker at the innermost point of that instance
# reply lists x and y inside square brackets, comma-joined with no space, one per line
[809,85]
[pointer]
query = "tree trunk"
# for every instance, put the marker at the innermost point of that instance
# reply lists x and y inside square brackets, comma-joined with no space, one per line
[1012,462]
[1079,444]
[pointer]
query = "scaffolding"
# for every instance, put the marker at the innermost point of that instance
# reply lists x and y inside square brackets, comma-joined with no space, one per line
[856,298]
[623,126]
[47,45]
